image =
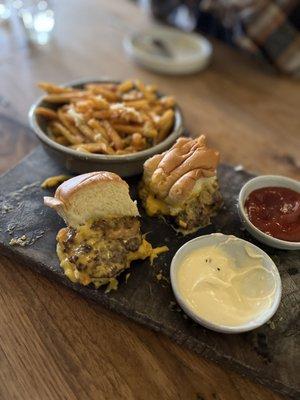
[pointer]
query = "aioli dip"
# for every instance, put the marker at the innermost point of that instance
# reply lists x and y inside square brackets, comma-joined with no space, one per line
[226,283]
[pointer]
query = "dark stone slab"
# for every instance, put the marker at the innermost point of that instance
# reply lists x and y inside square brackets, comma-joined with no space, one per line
[269,355]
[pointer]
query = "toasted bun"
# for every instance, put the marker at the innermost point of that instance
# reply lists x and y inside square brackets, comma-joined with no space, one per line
[92,196]
[172,175]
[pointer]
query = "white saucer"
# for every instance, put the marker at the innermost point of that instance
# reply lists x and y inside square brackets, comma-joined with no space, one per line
[213,239]
[168,50]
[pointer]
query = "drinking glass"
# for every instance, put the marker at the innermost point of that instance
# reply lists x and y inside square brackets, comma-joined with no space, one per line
[4,10]
[38,20]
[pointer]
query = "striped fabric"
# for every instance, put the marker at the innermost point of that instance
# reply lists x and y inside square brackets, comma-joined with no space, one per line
[268,29]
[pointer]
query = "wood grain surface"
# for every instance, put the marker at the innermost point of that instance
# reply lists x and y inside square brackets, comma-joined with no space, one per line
[260,354]
[55,345]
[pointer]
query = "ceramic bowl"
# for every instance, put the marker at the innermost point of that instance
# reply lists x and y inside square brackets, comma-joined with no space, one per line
[258,183]
[210,240]
[78,162]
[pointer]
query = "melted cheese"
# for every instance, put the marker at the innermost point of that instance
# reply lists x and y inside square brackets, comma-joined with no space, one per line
[155,206]
[54,181]
[145,250]
[203,189]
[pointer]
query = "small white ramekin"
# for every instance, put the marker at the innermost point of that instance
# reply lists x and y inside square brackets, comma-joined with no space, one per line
[209,240]
[258,183]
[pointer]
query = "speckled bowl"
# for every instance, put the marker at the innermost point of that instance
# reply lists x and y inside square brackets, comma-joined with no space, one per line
[78,162]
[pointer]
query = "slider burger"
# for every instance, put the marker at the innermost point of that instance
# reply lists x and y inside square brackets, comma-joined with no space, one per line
[181,183]
[103,234]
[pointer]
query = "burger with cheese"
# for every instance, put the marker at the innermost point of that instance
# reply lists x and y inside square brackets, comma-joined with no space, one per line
[103,234]
[182,184]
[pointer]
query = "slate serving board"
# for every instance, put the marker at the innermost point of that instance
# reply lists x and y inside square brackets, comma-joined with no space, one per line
[269,355]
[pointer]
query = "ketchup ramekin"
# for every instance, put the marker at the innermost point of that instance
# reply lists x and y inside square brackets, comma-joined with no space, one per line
[258,183]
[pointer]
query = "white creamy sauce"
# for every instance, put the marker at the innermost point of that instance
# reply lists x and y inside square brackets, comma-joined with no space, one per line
[226,287]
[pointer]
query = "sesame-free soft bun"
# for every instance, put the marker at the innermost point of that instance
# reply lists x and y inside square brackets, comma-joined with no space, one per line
[182,184]
[92,196]
[173,175]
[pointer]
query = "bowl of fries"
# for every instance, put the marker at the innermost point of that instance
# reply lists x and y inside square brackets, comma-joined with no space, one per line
[92,124]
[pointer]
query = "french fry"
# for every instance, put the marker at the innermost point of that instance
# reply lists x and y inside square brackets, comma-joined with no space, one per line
[66,133]
[51,88]
[98,129]
[99,103]
[106,85]
[149,130]
[87,132]
[137,104]
[167,101]
[132,95]
[150,97]
[138,141]
[46,112]
[157,109]
[103,114]
[52,131]
[123,112]
[116,140]
[139,85]
[106,93]
[164,125]
[94,148]
[84,105]
[72,128]
[125,86]
[61,98]
[62,140]
[151,88]
[126,150]
[126,128]
[107,118]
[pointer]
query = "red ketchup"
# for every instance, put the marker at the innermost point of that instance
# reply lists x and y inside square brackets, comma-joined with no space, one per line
[276,212]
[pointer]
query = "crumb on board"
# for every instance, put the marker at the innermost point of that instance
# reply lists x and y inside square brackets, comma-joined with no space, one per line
[161,277]
[272,325]
[25,240]
[239,168]
[127,277]
[6,208]
[54,181]
[19,241]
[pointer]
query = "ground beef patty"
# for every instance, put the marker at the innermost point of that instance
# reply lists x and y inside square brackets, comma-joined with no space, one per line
[100,248]
[197,213]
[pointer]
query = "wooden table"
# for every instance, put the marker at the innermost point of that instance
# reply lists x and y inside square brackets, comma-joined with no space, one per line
[56,345]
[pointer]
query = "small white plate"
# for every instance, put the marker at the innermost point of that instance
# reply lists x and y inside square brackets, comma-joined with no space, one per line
[258,183]
[209,240]
[168,50]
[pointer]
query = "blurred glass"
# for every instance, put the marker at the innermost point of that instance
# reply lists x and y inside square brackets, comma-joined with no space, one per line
[38,20]
[16,6]
[4,10]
